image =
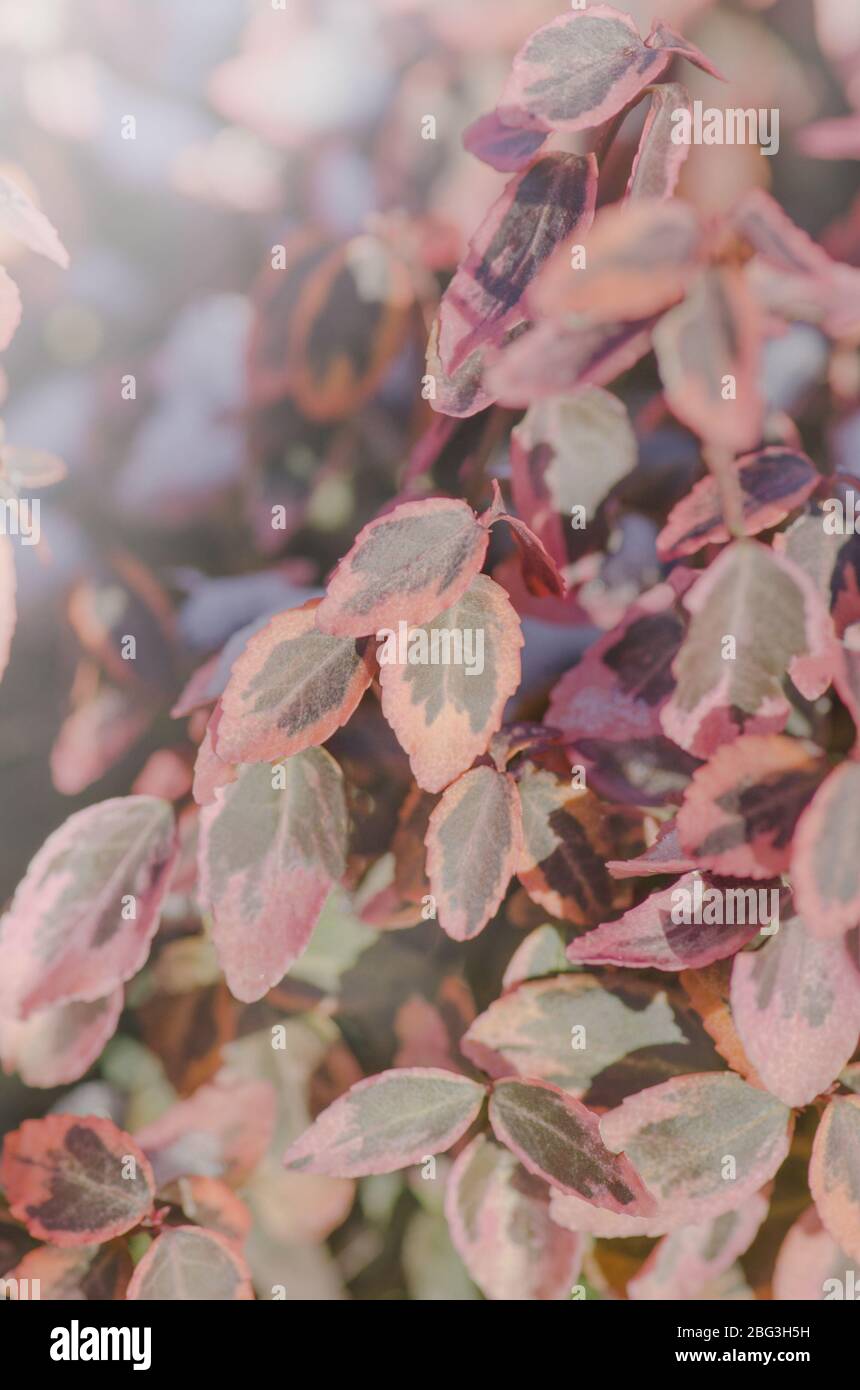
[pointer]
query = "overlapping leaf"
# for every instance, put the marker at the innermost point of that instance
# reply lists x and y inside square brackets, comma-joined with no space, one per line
[825,865]
[445,707]
[708,351]
[567,837]
[292,686]
[755,615]
[83,916]
[406,566]
[272,845]
[558,1139]
[771,484]
[834,1172]
[187,1264]
[75,1180]
[474,841]
[549,201]
[498,1216]
[740,812]
[796,1006]
[701,1144]
[654,936]
[388,1122]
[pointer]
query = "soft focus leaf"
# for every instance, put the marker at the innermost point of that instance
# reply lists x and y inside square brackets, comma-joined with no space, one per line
[187,1264]
[833,1171]
[272,845]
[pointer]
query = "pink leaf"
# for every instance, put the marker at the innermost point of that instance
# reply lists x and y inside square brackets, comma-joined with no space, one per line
[408,565]
[501,146]
[658,160]
[55,1047]
[741,809]
[272,845]
[771,483]
[833,1172]
[708,351]
[578,71]
[558,1139]
[825,865]
[687,1260]
[83,916]
[796,1006]
[678,1134]
[187,1264]
[221,1131]
[653,935]
[388,1122]
[498,1216]
[444,712]
[290,689]
[474,840]
[549,201]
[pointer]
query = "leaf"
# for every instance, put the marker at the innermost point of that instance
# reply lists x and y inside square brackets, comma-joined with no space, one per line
[88,906]
[594,1038]
[558,1139]
[658,160]
[541,953]
[540,573]
[550,200]
[807,1258]
[21,219]
[708,990]
[272,845]
[187,1264]
[579,70]
[685,1262]
[498,1216]
[567,837]
[834,1169]
[57,1046]
[678,1136]
[406,566]
[223,1131]
[754,616]
[10,308]
[665,856]
[351,319]
[568,451]
[739,814]
[291,687]
[708,350]
[474,839]
[796,1006]
[501,146]
[444,708]
[640,257]
[75,1180]
[636,771]
[664,39]
[649,936]
[825,867]
[619,687]
[388,1122]
[771,484]
[91,1272]
[557,357]
[96,735]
